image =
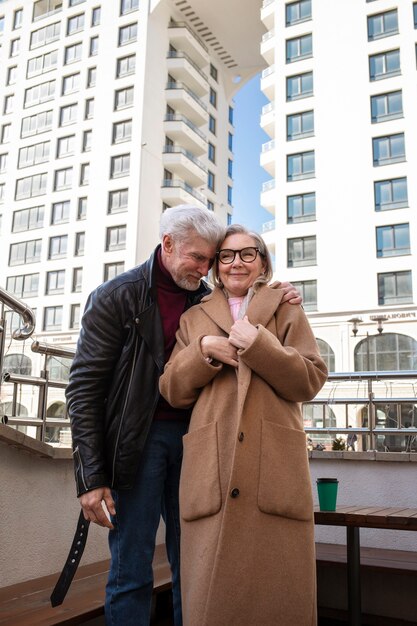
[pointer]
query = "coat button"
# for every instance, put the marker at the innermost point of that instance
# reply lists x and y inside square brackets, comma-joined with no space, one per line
[234,493]
[241,436]
[137,320]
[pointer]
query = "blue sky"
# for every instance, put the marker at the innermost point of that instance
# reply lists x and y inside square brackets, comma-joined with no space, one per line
[247,173]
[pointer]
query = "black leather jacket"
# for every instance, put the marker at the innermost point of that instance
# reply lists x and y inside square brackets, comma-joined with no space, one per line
[113,384]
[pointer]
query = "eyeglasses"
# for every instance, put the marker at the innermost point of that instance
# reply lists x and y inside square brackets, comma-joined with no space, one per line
[247,255]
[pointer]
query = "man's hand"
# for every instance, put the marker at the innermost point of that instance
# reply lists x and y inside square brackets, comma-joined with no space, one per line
[219,349]
[291,294]
[92,506]
[243,333]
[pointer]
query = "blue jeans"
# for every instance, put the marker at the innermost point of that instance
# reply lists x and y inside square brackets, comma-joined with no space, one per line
[132,542]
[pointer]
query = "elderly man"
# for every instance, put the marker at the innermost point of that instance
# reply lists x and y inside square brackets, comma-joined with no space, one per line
[127,439]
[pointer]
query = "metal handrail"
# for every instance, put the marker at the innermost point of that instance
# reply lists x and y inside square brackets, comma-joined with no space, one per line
[174,24]
[180,85]
[175,54]
[25,312]
[176,117]
[180,150]
[177,182]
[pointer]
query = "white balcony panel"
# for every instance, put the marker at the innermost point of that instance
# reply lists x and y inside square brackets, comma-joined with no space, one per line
[268,123]
[268,13]
[268,83]
[269,236]
[184,70]
[184,133]
[180,98]
[268,47]
[268,157]
[182,166]
[268,200]
[184,39]
[175,192]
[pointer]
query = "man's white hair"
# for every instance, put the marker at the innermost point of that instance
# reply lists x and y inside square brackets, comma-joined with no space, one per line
[178,221]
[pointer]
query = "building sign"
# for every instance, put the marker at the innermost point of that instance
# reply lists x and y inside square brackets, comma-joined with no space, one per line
[395,316]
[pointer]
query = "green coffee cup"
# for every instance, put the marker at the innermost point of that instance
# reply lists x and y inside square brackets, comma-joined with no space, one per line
[327,490]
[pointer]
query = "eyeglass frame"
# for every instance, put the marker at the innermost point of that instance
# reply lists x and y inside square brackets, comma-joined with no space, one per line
[257,251]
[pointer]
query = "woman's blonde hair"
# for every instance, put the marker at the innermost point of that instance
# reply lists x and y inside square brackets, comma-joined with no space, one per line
[238,229]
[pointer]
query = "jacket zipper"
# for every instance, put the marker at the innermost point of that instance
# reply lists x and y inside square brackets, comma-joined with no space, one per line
[123,412]
[80,468]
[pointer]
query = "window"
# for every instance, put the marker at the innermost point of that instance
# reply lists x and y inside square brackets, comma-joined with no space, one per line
[31,186]
[8,104]
[120,166]
[70,83]
[87,140]
[25,252]
[41,64]
[116,238]
[75,312]
[382,24]
[3,163]
[82,208]
[11,75]
[18,364]
[73,53]
[212,152]
[89,109]
[93,46]
[63,179]
[123,98]
[79,244]
[308,291]
[111,270]
[210,205]
[390,149]
[300,125]
[60,212]
[384,65]
[91,76]
[390,194]
[5,133]
[386,106]
[126,66]
[14,47]
[52,318]
[77,279]
[297,12]
[118,201]
[65,146]
[36,124]
[122,131]
[211,180]
[24,286]
[230,141]
[300,166]
[58,247]
[299,48]
[32,155]
[96,16]
[28,219]
[42,8]
[73,3]
[212,124]
[55,282]
[84,174]
[395,288]
[213,72]
[213,97]
[1,24]
[39,93]
[45,35]
[230,168]
[231,111]
[2,185]
[327,354]
[75,24]
[128,34]
[302,251]
[17,19]
[386,352]
[126,6]
[68,114]
[301,208]
[229,195]
[392,240]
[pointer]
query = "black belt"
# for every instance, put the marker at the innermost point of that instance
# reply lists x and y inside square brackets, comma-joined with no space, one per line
[72,562]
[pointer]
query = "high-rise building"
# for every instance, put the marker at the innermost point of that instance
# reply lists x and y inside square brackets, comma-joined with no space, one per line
[342,88]
[111,111]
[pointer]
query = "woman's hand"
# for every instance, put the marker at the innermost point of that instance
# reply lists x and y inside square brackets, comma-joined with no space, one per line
[243,333]
[219,349]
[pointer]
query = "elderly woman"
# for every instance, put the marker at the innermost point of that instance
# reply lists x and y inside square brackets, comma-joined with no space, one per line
[245,360]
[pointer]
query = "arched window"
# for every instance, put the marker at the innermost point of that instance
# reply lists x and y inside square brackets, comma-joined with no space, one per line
[326,354]
[6,409]
[58,368]
[56,409]
[17,364]
[386,352]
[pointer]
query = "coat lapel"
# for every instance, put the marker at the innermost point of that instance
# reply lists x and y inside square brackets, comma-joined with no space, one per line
[217,309]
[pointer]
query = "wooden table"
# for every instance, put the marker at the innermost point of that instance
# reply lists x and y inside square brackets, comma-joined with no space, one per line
[354,518]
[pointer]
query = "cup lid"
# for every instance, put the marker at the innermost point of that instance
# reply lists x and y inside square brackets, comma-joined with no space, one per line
[327,480]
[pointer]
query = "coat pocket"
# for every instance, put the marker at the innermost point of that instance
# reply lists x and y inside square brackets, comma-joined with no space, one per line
[284,476]
[200,494]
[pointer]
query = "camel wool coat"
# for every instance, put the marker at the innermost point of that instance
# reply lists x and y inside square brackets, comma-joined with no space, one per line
[247,526]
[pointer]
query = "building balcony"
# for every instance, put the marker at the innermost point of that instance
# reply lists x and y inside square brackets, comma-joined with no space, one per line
[181,98]
[268,157]
[268,82]
[267,227]
[183,164]
[177,191]
[267,199]
[181,130]
[268,119]
[268,46]
[268,13]
[183,38]
[183,68]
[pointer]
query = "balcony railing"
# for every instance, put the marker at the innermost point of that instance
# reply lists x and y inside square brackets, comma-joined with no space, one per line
[268,71]
[173,24]
[266,3]
[174,54]
[269,145]
[268,185]
[176,117]
[267,108]
[177,182]
[268,226]
[179,150]
[179,85]
[268,35]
